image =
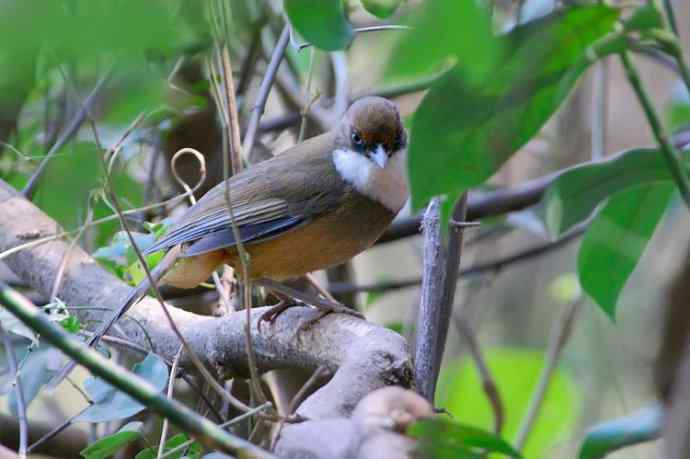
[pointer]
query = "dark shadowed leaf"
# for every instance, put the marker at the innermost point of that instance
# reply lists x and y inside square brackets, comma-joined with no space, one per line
[574,195]
[38,368]
[440,436]
[107,446]
[464,131]
[321,22]
[445,32]
[381,8]
[111,404]
[643,426]
[645,17]
[616,239]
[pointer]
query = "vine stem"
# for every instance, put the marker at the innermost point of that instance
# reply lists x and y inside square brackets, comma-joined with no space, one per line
[678,172]
[208,433]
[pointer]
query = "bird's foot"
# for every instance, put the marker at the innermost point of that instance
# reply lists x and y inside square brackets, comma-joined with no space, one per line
[276,310]
[325,308]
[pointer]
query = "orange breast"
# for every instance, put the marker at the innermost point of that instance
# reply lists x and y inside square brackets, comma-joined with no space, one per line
[322,243]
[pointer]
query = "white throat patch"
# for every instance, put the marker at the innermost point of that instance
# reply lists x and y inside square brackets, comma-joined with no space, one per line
[387,186]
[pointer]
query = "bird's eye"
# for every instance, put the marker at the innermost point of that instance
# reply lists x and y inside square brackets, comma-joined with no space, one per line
[356,139]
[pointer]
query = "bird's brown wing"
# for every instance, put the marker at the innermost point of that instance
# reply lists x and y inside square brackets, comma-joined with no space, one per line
[268,200]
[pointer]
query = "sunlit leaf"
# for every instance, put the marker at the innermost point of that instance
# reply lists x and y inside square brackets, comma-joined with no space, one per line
[445,32]
[516,373]
[111,404]
[616,239]
[642,426]
[107,446]
[445,436]
[465,130]
[573,196]
[321,22]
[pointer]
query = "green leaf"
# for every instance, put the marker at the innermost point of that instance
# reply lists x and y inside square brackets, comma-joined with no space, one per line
[443,33]
[645,17]
[678,110]
[194,450]
[63,191]
[448,435]
[573,196]
[86,30]
[460,392]
[111,404]
[616,239]
[107,446]
[321,22]
[465,129]
[642,426]
[381,8]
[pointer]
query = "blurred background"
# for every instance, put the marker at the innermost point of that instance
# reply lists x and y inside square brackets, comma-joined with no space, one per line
[606,369]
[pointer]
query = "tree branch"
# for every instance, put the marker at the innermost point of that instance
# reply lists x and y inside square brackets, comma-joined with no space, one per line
[361,356]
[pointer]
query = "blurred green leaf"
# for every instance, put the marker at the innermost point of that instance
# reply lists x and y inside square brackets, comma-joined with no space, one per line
[464,131]
[573,196]
[107,446]
[644,17]
[616,239]
[111,404]
[678,110]
[516,373]
[445,32]
[321,22]
[445,436]
[642,426]
[86,30]
[71,324]
[381,8]
[63,191]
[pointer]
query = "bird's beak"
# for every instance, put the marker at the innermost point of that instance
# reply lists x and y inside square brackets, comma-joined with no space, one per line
[379,156]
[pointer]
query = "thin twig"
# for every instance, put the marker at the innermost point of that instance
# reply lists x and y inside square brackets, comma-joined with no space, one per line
[671,15]
[600,96]
[171,385]
[559,337]
[20,403]
[230,119]
[427,332]
[264,89]
[678,171]
[204,430]
[488,384]
[305,110]
[297,400]
[231,422]
[67,134]
[235,143]
[61,269]
[491,266]
[129,345]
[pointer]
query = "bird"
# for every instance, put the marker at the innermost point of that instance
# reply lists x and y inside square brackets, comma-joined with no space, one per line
[316,205]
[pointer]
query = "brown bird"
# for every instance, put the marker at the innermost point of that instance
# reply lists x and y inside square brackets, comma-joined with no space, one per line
[316,205]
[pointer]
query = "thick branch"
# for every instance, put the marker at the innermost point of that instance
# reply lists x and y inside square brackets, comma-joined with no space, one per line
[362,356]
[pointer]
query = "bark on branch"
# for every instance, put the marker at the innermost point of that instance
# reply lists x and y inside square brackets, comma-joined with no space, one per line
[361,356]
